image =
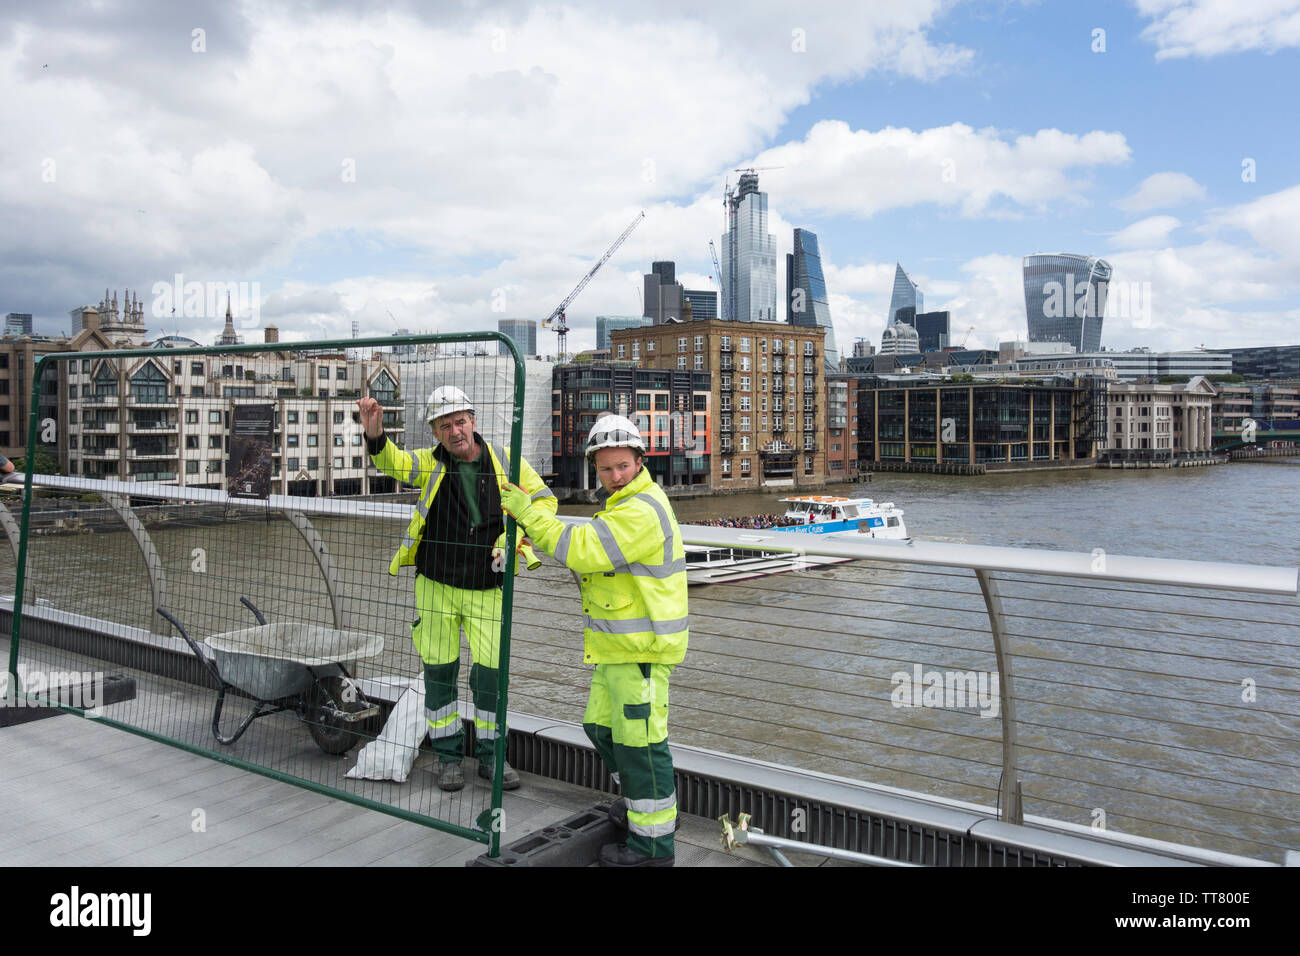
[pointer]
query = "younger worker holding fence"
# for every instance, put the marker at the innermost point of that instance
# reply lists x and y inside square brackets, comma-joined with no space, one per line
[454,541]
[632,572]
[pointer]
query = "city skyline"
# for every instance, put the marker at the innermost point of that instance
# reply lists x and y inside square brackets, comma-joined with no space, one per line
[163,140]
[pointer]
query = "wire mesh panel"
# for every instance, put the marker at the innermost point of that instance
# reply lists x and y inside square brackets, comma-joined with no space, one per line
[249,534]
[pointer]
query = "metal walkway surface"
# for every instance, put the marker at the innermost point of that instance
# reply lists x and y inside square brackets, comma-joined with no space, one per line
[76,793]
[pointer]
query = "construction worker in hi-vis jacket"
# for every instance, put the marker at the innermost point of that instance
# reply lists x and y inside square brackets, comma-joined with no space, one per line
[455,540]
[631,567]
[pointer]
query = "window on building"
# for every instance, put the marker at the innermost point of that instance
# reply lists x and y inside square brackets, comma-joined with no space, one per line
[338,441]
[636,351]
[681,344]
[291,418]
[292,441]
[214,418]
[214,466]
[650,346]
[356,461]
[191,468]
[661,403]
[356,439]
[291,464]
[312,418]
[191,416]
[744,363]
[313,441]
[341,373]
[807,348]
[622,350]
[338,461]
[642,402]
[313,464]
[699,363]
[744,383]
[744,343]
[323,372]
[214,441]
[699,343]
[744,467]
[338,418]
[681,363]
[744,403]
[726,466]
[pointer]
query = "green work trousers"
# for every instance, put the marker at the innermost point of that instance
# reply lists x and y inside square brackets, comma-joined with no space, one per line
[444,611]
[627,720]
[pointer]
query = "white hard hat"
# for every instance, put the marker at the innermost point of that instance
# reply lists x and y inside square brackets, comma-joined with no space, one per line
[614,431]
[445,400]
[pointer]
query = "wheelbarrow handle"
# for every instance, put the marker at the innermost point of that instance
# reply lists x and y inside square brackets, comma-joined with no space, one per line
[211,666]
[256,613]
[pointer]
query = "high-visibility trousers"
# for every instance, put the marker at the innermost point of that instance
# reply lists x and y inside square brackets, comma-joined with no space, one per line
[627,720]
[443,611]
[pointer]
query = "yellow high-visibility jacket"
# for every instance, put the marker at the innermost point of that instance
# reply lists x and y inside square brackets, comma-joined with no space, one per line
[423,469]
[632,571]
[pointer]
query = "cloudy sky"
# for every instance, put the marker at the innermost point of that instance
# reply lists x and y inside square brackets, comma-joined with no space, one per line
[442,166]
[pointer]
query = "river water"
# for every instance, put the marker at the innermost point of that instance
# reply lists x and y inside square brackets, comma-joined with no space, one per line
[1130,700]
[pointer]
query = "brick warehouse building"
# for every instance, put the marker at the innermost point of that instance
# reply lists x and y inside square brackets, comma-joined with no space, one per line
[767,392]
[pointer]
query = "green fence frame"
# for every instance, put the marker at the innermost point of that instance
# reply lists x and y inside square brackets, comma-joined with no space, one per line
[489,830]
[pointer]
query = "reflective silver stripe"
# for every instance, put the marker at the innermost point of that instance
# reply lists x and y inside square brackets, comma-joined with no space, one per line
[652,805]
[612,550]
[544,493]
[654,830]
[658,570]
[415,468]
[614,777]
[562,546]
[665,525]
[636,625]
[442,713]
[426,499]
[485,717]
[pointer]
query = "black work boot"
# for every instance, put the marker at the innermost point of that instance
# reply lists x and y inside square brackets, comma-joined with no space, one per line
[620,854]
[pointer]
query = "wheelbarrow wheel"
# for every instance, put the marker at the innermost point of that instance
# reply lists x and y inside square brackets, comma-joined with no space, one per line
[332,735]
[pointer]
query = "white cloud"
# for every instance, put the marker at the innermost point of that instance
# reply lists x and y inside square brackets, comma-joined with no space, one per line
[513,135]
[1162,189]
[1207,28]
[839,170]
[1152,231]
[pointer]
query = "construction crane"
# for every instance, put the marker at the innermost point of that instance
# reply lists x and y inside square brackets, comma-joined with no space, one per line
[562,327]
[966,336]
[722,288]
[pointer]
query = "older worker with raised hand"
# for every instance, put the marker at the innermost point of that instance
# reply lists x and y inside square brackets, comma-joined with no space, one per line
[454,541]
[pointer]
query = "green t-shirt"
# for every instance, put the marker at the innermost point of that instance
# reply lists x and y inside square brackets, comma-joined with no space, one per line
[468,472]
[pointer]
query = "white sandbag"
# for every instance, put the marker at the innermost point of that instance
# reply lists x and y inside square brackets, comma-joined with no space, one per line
[390,755]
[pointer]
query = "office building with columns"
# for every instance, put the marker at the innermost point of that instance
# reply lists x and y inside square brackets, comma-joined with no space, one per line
[1158,422]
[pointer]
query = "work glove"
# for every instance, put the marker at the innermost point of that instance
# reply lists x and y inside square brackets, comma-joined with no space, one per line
[523,554]
[516,501]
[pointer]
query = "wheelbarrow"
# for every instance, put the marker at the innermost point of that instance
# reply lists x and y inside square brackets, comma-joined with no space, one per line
[294,667]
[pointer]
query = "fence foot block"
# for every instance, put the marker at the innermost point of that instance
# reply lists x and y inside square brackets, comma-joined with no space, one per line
[572,842]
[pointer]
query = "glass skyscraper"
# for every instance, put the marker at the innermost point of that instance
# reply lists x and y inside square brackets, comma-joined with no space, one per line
[906,296]
[751,255]
[606,324]
[1065,298]
[522,331]
[805,285]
